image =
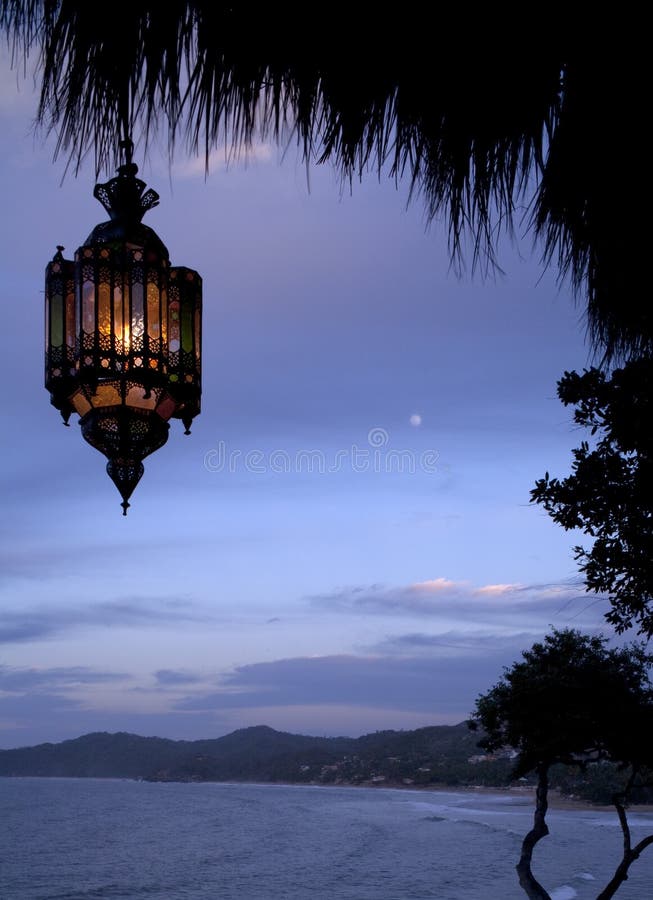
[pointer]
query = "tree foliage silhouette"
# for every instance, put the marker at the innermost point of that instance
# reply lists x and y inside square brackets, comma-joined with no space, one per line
[571,700]
[609,493]
[479,112]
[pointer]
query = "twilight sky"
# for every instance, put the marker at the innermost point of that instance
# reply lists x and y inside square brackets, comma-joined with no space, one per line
[345,542]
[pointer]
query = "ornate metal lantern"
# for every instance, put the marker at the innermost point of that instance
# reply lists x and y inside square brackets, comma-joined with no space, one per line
[123,332]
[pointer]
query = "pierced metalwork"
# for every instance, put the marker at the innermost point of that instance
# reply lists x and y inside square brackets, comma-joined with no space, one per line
[123,333]
[125,197]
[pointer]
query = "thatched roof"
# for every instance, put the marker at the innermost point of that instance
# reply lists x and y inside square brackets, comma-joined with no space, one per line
[478,112]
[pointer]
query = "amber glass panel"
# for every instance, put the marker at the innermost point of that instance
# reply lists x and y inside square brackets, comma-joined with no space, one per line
[198,334]
[88,307]
[153,311]
[70,319]
[118,318]
[136,397]
[80,403]
[164,318]
[106,395]
[104,310]
[138,313]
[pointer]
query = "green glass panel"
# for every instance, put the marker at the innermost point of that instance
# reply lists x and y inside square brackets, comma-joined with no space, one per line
[56,320]
[187,327]
[173,326]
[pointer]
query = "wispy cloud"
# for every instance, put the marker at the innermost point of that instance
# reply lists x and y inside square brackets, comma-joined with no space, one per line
[22,680]
[43,622]
[172,678]
[498,590]
[435,586]
[496,607]
[223,158]
[27,559]
[469,644]
[44,706]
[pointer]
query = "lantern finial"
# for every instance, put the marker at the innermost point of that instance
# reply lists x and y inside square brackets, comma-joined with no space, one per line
[125,477]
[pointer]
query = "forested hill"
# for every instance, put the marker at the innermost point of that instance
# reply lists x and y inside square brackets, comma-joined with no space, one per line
[428,755]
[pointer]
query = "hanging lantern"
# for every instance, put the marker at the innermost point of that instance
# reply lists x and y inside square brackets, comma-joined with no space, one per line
[123,333]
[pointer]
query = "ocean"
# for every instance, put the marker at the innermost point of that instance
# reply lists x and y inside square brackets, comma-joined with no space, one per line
[77,839]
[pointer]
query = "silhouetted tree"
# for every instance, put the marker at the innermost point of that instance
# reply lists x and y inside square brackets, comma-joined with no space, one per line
[572,701]
[609,494]
[479,111]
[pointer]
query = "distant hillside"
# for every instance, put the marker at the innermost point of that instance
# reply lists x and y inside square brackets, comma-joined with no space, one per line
[98,755]
[437,754]
[443,755]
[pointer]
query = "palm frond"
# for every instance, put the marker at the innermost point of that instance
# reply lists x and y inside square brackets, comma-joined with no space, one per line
[473,112]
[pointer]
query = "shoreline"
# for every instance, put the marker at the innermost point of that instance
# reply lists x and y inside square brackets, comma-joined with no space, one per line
[556,801]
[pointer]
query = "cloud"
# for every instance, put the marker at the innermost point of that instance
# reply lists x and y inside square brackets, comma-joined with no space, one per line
[25,721]
[435,586]
[41,623]
[427,684]
[35,706]
[59,703]
[493,607]
[171,678]
[459,643]
[20,680]
[33,563]
[498,590]
[223,158]
[28,559]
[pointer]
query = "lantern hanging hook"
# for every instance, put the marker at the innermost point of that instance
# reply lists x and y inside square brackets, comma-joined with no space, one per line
[124,122]
[127,147]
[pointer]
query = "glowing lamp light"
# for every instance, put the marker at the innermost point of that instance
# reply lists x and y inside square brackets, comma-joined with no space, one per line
[123,333]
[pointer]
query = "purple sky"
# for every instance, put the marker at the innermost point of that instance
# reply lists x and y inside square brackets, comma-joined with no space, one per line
[345,542]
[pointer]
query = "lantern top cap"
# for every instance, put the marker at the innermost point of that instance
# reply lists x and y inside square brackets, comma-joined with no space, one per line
[126,200]
[124,197]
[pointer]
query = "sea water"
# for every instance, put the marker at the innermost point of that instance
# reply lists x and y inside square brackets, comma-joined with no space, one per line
[77,839]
